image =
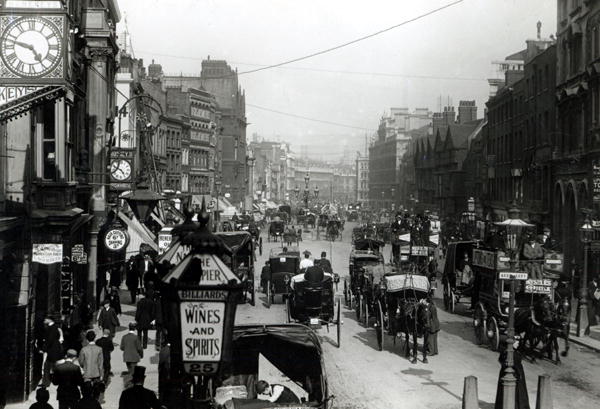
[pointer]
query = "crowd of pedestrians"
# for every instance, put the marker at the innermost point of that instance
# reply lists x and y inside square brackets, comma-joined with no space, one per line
[78,362]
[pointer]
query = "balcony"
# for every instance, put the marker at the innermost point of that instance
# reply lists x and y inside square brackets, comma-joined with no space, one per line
[55,195]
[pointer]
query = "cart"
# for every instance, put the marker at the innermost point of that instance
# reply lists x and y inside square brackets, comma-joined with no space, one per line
[239,257]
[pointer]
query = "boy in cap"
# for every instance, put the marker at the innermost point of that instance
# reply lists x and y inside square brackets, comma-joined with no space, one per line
[105,342]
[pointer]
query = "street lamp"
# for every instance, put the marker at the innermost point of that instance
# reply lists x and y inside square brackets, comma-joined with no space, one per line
[217,214]
[587,236]
[297,192]
[393,198]
[513,226]
[316,192]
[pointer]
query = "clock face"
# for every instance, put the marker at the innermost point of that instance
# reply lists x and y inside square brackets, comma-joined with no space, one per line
[31,46]
[120,169]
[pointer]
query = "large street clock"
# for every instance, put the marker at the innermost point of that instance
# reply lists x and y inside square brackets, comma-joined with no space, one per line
[31,46]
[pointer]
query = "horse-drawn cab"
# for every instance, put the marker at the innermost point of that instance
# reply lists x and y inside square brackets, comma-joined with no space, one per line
[537,318]
[239,257]
[366,252]
[403,309]
[283,265]
[458,272]
[276,228]
[333,229]
[313,304]
[302,365]
[285,213]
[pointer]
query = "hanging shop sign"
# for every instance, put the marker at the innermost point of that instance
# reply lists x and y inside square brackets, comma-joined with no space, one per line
[536,286]
[47,253]
[66,285]
[116,239]
[596,181]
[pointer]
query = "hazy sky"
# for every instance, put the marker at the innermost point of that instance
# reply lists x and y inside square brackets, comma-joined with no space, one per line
[353,85]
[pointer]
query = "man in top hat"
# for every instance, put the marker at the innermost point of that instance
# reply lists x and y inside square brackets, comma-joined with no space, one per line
[138,397]
[67,376]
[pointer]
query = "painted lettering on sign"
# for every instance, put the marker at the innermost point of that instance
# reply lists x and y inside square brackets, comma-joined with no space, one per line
[202,330]
[203,295]
[47,253]
[10,93]
[484,258]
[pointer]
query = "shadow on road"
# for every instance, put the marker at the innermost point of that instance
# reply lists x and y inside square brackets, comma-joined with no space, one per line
[425,374]
[460,329]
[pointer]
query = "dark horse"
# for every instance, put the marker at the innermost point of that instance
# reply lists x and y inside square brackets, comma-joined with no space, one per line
[413,318]
[543,324]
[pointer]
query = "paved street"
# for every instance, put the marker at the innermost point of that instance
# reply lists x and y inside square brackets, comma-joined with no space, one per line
[362,377]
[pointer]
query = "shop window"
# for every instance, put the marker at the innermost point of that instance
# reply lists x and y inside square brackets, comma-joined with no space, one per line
[48,165]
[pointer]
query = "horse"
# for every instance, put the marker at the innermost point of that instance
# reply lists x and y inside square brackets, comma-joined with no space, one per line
[544,323]
[413,318]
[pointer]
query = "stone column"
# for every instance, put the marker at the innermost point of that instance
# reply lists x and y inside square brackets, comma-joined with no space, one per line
[99,85]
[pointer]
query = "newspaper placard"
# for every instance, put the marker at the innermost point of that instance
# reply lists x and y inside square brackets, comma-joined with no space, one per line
[537,286]
[202,325]
[47,253]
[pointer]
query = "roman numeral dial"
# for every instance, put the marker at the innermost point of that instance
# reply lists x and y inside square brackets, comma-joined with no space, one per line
[31,46]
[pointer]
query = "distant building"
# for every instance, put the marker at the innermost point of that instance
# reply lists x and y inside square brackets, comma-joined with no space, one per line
[362,180]
[387,151]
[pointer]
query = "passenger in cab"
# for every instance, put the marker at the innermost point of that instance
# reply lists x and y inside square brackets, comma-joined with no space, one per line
[275,393]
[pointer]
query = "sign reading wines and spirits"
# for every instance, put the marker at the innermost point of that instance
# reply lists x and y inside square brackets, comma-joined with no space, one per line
[202,330]
[48,253]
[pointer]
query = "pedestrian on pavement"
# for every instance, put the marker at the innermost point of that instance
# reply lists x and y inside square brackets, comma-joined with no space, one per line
[144,266]
[42,396]
[107,318]
[306,261]
[434,329]
[131,278]
[521,397]
[115,300]
[138,397]
[74,326]
[52,349]
[91,359]
[145,316]
[132,348]
[594,309]
[67,377]
[265,275]
[116,275]
[88,401]
[106,343]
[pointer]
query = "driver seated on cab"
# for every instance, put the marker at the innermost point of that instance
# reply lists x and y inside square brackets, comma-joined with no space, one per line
[313,275]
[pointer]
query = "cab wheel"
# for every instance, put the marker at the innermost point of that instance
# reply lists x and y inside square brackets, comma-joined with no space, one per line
[493,333]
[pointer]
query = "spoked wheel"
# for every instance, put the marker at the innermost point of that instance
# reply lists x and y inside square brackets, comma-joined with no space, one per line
[452,300]
[339,322]
[380,326]
[358,307]
[479,325]
[269,294]
[493,333]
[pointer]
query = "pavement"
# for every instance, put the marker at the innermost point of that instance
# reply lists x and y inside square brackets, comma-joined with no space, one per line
[117,383]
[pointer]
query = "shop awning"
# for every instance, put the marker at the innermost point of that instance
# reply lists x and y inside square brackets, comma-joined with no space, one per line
[22,105]
[138,235]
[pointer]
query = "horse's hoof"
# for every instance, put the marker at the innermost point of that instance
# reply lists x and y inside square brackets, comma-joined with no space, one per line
[425,361]
[564,353]
[413,361]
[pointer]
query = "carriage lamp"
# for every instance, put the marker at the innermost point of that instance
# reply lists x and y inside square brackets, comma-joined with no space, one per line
[316,192]
[586,232]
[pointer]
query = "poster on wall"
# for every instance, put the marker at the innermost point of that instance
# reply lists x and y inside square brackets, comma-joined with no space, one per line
[47,253]
[596,181]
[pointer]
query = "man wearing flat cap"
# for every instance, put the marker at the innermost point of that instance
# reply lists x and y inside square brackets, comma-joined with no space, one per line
[67,376]
[138,397]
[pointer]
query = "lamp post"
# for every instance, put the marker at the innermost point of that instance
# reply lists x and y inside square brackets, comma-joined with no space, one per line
[587,236]
[217,211]
[382,199]
[393,198]
[513,226]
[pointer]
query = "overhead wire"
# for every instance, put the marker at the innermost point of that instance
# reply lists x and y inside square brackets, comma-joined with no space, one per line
[323,121]
[357,40]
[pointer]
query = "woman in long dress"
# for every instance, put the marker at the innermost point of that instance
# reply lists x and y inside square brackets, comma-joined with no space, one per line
[521,397]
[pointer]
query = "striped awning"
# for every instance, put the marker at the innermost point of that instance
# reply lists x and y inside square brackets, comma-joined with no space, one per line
[29,101]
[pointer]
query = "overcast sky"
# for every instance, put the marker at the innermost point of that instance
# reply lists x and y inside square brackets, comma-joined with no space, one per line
[410,66]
